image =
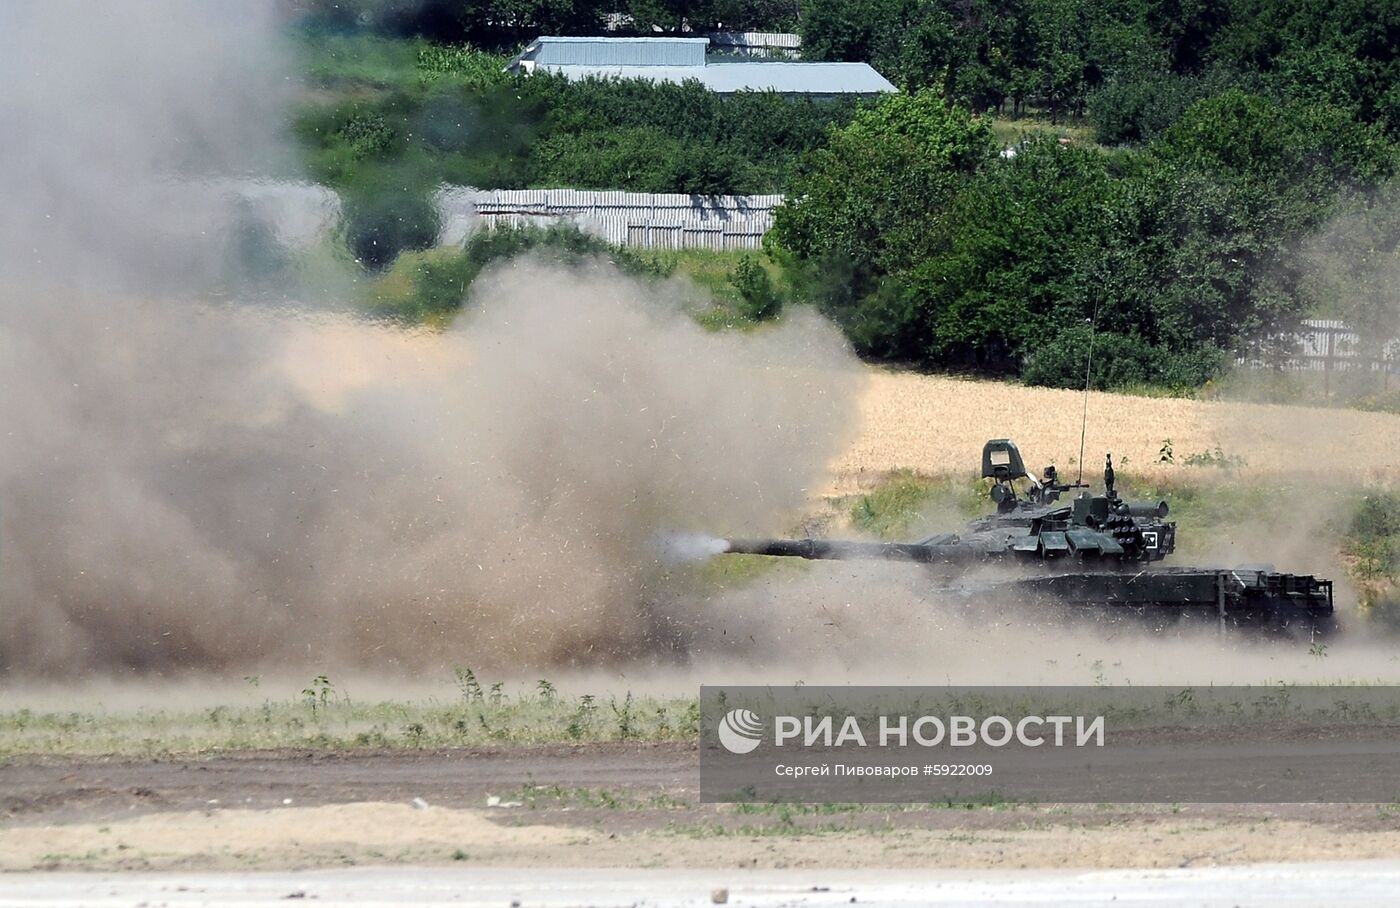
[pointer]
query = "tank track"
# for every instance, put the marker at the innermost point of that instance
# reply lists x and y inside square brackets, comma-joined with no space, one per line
[1296,604]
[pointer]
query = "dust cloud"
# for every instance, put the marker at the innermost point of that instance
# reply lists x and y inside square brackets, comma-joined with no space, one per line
[879,623]
[188,483]
[217,488]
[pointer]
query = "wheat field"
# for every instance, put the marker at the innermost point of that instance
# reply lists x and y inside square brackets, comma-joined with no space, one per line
[936,424]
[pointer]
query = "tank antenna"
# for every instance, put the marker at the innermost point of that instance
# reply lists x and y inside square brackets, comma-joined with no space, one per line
[1088,375]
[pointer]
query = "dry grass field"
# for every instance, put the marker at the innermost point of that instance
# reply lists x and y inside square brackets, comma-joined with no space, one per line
[935,424]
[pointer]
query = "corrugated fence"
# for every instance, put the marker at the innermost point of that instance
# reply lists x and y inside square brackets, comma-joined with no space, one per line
[757,44]
[1329,345]
[647,220]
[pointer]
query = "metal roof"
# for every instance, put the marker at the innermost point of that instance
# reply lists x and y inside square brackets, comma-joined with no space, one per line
[573,51]
[608,198]
[779,76]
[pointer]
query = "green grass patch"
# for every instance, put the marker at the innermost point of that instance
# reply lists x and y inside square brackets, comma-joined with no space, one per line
[542,797]
[325,718]
[353,64]
[350,63]
[746,287]
[905,501]
[712,269]
[892,508]
[1011,130]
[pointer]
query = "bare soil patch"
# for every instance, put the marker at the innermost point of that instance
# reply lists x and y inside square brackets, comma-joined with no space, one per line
[598,805]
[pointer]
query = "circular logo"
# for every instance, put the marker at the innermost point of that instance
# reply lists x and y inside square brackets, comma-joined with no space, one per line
[740,731]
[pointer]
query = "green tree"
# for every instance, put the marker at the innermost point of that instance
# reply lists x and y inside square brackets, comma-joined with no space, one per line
[1247,181]
[868,204]
[1308,147]
[1060,51]
[1002,277]
[1139,105]
[857,31]
[1339,52]
[1189,259]
[1202,248]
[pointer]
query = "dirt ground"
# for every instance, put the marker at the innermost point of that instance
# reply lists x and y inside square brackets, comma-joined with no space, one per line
[592,806]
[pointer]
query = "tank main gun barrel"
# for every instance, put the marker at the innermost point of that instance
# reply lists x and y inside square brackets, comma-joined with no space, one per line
[840,550]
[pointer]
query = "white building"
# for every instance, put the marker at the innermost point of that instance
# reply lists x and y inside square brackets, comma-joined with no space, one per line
[682,59]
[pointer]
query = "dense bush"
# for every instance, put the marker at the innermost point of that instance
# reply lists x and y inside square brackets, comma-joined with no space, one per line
[433,285]
[475,125]
[384,216]
[1120,361]
[761,299]
[1372,541]
[643,159]
[1140,106]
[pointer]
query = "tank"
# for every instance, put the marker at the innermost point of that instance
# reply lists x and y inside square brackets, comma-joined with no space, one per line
[1062,546]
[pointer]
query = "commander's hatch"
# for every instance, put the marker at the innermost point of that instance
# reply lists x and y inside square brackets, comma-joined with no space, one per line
[1001,460]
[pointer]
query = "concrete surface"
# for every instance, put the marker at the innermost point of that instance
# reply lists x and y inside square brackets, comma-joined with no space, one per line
[1342,883]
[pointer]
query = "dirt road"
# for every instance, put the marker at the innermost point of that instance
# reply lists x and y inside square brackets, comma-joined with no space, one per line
[56,789]
[596,806]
